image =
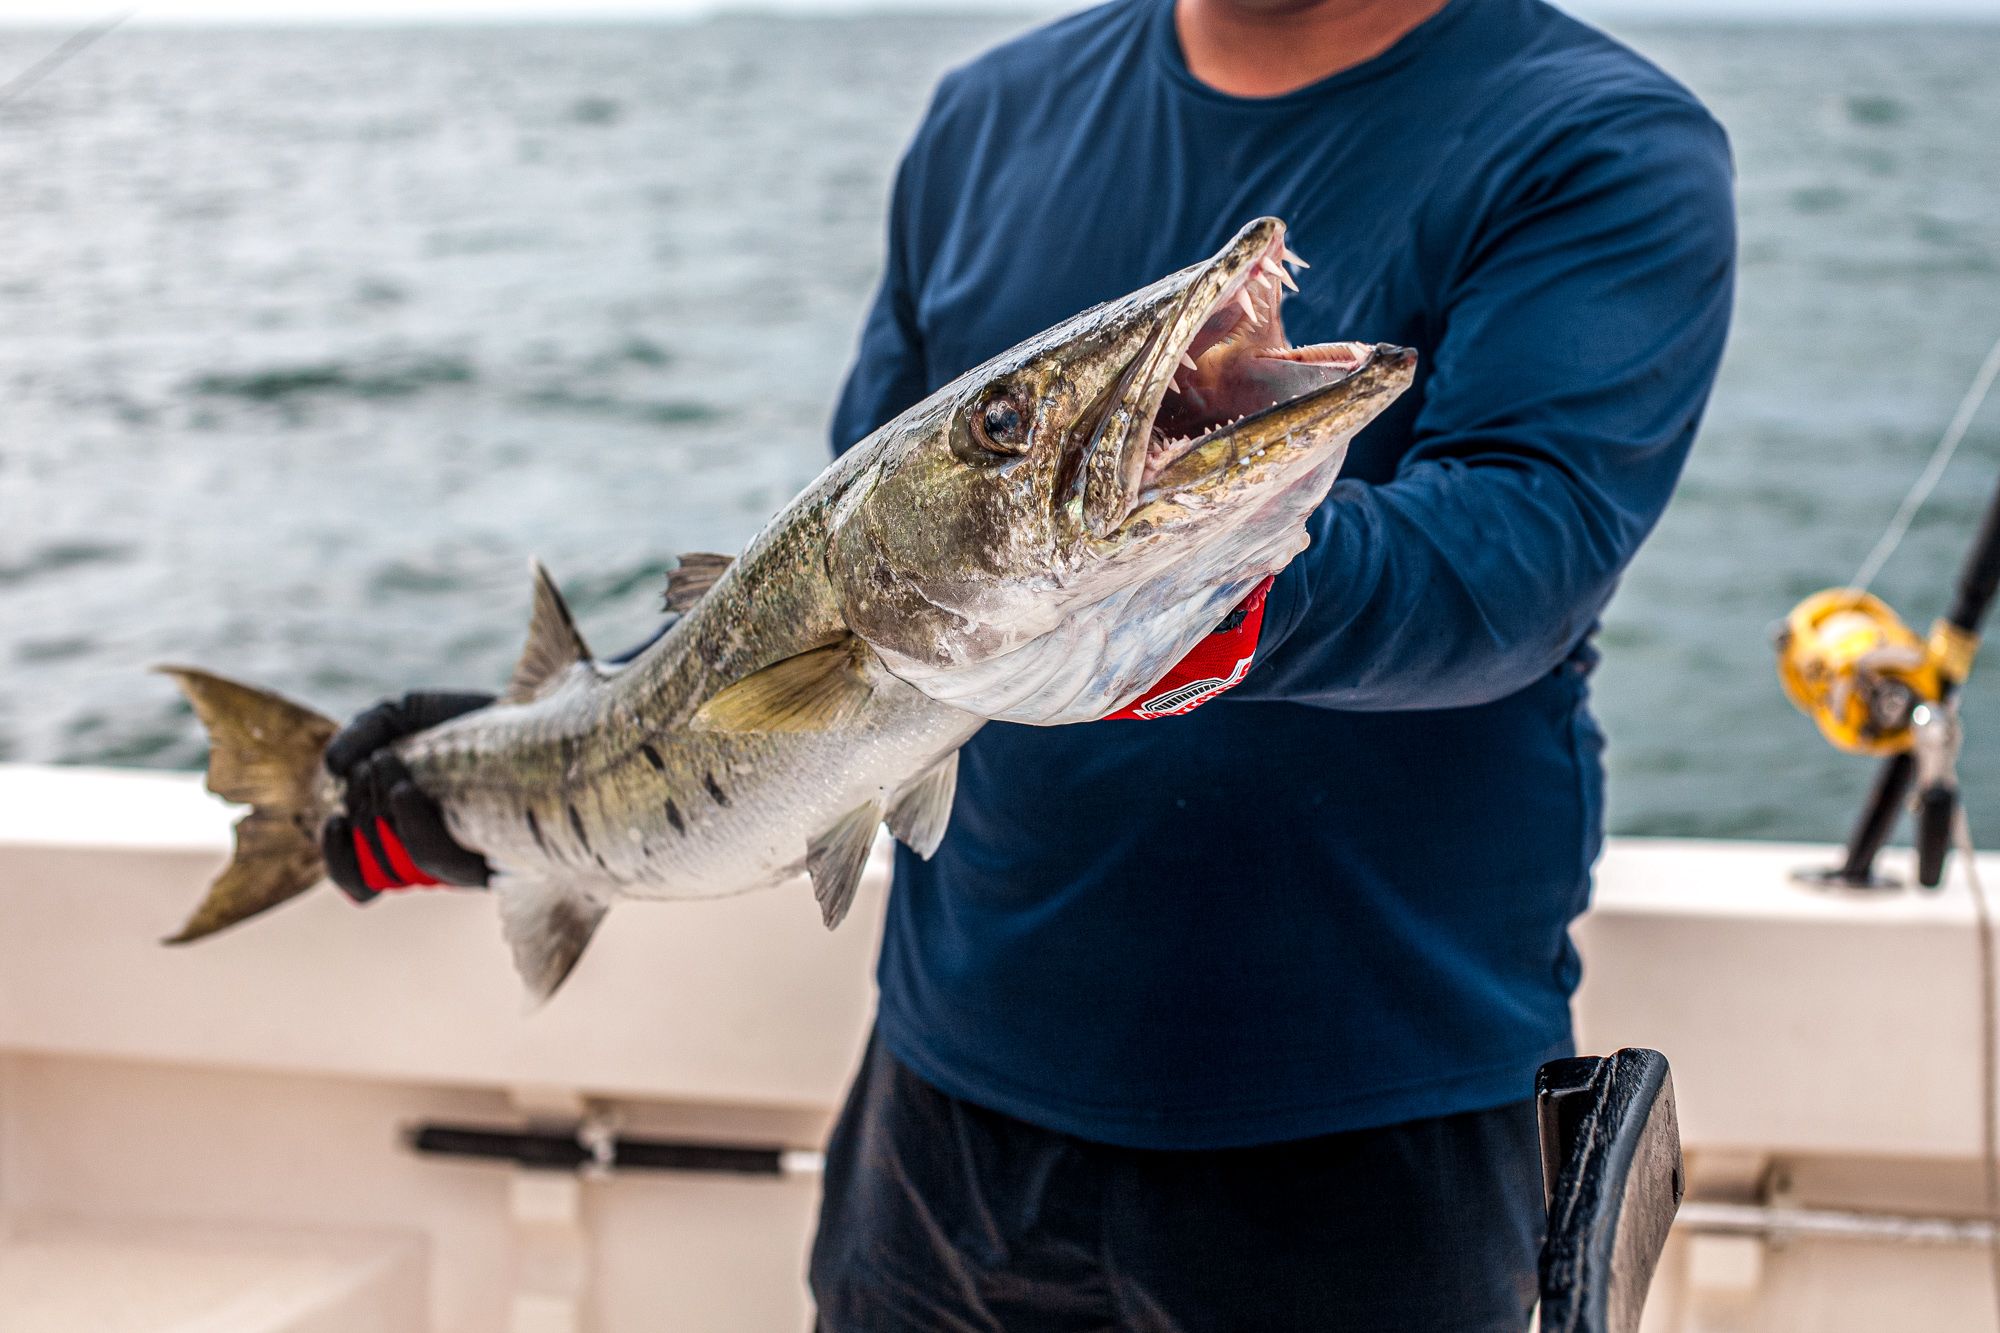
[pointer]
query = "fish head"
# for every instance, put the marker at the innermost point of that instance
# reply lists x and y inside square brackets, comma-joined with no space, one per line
[1048,533]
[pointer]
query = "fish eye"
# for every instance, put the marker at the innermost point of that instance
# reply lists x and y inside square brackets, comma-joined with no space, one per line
[1000,423]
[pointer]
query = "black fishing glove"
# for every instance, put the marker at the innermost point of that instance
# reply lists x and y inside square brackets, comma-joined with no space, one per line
[392,835]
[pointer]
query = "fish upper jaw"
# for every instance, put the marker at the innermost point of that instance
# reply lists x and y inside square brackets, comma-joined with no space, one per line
[1218,363]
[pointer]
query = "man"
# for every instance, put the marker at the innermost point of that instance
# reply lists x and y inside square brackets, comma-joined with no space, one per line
[1230,1020]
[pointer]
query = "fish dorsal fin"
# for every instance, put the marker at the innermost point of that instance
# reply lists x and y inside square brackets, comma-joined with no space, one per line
[554,646]
[836,858]
[547,926]
[694,576]
[923,808]
[812,691]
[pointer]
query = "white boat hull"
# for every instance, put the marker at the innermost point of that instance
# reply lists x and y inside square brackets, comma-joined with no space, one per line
[179,1119]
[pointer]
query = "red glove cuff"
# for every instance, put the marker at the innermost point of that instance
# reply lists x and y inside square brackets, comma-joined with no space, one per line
[402,872]
[1215,664]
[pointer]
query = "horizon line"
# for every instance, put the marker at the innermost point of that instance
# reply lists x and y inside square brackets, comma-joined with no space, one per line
[538,13]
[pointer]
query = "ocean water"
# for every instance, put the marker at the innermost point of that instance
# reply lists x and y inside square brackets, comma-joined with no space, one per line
[309,338]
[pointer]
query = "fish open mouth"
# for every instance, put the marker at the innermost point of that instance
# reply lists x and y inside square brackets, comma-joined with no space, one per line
[1240,365]
[1219,364]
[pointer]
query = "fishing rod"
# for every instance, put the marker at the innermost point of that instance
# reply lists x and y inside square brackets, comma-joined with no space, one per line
[1874,687]
[1930,762]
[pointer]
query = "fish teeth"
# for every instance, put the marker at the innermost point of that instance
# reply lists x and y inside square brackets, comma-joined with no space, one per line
[1249,310]
[1187,362]
[1278,273]
[1291,258]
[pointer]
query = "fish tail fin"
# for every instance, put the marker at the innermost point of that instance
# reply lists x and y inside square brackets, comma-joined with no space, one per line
[264,752]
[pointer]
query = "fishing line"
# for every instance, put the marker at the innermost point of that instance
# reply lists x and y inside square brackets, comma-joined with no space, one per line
[65,51]
[1927,480]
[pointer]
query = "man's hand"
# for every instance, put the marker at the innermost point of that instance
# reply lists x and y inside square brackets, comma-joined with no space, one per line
[1215,664]
[392,835]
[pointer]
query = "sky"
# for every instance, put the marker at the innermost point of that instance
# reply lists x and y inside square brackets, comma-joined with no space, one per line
[77,13]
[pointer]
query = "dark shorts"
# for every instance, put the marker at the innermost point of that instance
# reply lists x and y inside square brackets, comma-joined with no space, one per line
[943,1217]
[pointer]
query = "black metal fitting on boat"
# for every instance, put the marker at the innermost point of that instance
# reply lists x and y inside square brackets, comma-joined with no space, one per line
[1613,1180]
[587,1147]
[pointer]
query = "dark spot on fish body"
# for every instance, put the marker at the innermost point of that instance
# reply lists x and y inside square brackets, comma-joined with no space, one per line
[653,758]
[714,790]
[674,818]
[576,822]
[535,830]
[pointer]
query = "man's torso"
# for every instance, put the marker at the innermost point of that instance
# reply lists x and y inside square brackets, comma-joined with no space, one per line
[1262,920]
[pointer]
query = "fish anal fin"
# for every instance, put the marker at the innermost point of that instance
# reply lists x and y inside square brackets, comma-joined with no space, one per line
[554,645]
[812,691]
[836,858]
[922,809]
[547,926]
[693,577]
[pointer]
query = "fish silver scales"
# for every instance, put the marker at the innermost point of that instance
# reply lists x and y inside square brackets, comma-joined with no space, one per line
[603,779]
[628,811]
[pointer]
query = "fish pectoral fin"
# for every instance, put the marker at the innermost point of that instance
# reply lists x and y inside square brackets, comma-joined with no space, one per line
[554,645]
[923,808]
[812,691]
[693,577]
[547,925]
[836,858]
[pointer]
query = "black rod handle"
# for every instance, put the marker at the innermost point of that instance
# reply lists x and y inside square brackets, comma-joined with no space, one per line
[1878,818]
[1935,809]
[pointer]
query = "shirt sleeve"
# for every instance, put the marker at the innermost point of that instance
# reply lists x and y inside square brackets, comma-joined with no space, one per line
[1578,339]
[889,373]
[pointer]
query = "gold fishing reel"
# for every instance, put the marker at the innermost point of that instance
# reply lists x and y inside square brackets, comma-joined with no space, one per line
[1849,663]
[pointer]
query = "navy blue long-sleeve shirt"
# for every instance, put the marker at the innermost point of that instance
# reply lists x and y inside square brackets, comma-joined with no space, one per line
[1339,895]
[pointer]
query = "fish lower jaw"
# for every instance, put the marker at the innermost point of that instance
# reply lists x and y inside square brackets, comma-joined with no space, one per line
[1239,366]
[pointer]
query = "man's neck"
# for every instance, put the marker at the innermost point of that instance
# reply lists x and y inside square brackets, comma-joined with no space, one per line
[1261,48]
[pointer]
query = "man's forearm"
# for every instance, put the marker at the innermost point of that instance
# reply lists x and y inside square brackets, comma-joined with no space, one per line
[1396,605]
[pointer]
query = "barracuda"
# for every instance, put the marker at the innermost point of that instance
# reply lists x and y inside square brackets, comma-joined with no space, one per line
[1037,542]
